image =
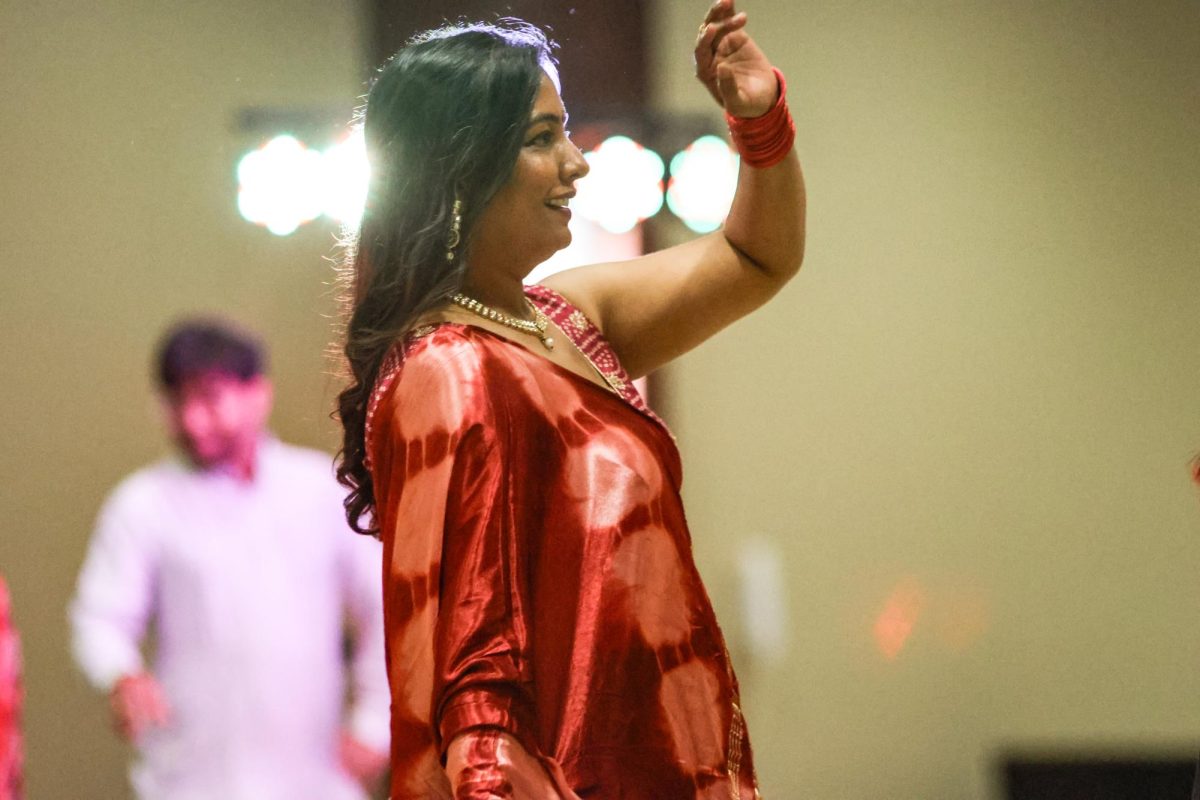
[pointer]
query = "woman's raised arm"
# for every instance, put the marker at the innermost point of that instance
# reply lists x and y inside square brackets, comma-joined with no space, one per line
[658,306]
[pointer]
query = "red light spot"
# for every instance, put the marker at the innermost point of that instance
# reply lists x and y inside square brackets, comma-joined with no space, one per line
[896,621]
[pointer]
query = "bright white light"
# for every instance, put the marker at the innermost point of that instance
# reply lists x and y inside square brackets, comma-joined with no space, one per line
[624,186]
[345,173]
[703,179]
[279,185]
[283,184]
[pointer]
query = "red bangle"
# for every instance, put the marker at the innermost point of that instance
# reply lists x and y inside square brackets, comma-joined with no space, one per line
[764,141]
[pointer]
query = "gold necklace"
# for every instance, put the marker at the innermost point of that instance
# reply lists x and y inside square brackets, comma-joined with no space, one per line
[537,327]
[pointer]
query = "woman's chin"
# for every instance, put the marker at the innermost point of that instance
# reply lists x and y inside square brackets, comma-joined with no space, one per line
[564,240]
[561,243]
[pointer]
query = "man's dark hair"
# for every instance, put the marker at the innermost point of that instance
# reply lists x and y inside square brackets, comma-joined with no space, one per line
[193,348]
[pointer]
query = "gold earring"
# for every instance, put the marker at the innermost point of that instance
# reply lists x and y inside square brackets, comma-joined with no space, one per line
[455,230]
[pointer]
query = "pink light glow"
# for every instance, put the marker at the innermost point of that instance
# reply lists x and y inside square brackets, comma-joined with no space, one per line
[899,616]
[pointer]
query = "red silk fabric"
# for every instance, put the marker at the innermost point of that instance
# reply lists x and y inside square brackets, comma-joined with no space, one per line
[539,579]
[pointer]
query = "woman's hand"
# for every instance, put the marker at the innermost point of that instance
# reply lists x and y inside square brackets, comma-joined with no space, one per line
[731,66]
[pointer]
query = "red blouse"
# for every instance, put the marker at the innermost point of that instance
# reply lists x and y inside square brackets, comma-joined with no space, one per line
[539,579]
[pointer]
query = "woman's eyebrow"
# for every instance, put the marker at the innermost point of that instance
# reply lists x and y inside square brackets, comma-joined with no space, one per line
[550,116]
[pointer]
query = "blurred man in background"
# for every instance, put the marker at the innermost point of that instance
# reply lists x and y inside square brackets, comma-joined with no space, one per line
[237,552]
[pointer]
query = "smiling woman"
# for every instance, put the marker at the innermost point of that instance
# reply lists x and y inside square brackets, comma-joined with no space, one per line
[548,633]
[526,220]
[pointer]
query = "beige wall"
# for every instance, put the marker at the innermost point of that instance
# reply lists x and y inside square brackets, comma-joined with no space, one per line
[117,150]
[983,390]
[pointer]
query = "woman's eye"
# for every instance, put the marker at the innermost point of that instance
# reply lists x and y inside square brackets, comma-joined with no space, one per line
[543,138]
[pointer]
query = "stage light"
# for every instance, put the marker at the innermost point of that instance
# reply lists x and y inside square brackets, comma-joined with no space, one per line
[345,174]
[279,185]
[703,179]
[624,186]
[285,184]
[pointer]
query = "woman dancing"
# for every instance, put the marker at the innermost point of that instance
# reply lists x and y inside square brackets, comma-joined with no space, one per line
[548,633]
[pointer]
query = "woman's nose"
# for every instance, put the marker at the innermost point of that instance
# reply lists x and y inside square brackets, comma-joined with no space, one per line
[575,166]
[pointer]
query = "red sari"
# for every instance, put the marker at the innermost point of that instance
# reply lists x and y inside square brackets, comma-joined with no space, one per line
[539,579]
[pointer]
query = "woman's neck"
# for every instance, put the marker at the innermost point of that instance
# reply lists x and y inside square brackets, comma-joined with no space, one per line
[504,293]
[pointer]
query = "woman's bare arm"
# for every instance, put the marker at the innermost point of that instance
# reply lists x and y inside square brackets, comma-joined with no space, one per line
[658,306]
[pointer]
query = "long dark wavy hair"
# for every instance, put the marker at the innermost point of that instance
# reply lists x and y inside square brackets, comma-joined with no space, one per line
[444,121]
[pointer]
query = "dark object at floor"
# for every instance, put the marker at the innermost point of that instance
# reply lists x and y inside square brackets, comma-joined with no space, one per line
[1029,778]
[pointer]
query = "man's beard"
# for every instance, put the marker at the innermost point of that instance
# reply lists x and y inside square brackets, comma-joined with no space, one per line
[223,454]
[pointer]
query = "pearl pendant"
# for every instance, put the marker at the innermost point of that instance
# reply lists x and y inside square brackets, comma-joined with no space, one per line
[549,342]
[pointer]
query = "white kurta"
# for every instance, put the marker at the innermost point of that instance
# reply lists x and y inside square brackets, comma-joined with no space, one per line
[248,587]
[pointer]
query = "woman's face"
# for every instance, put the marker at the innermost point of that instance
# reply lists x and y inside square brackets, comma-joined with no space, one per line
[526,221]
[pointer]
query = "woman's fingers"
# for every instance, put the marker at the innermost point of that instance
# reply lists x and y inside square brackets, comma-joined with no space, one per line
[709,42]
[719,12]
[728,26]
[704,41]
[730,43]
[721,9]
[711,33]
[721,46]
